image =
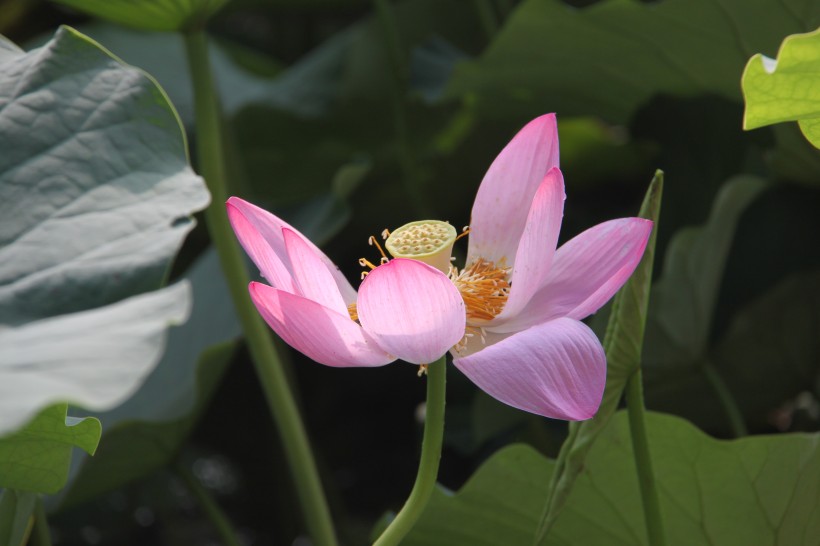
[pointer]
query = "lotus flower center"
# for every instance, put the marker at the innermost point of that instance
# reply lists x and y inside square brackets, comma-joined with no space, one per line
[428,241]
[484,287]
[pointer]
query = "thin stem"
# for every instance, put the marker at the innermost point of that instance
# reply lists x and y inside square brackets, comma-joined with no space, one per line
[399,73]
[643,460]
[40,535]
[554,497]
[215,514]
[430,456]
[726,399]
[268,366]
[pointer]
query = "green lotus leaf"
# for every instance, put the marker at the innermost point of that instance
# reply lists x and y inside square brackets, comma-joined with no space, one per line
[706,486]
[786,89]
[95,199]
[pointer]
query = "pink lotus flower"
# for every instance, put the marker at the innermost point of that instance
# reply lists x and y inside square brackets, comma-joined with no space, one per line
[406,309]
[526,345]
[510,318]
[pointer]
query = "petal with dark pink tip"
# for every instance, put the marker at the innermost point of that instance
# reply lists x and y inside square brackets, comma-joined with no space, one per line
[412,310]
[257,247]
[320,333]
[270,228]
[503,200]
[556,369]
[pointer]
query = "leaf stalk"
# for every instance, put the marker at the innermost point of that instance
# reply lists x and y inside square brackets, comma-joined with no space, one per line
[727,400]
[268,366]
[643,460]
[208,505]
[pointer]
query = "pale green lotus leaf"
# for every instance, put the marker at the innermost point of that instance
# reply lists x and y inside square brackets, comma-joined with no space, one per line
[785,89]
[95,199]
[94,359]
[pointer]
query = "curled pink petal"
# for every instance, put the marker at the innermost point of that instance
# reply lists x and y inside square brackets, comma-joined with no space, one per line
[556,369]
[412,310]
[270,228]
[260,251]
[504,197]
[538,241]
[312,277]
[586,272]
[322,334]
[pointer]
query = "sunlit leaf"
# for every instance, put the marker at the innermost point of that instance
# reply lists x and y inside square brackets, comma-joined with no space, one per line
[95,188]
[95,200]
[7,49]
[786,89]
[143,433]
[93,359]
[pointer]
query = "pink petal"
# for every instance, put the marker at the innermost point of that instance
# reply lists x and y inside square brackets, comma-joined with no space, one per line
[257,247]
[312,277]
[538,241]
[504,197]
[412,310]
[322,334]
[270,228]
[586,272]
[556,369]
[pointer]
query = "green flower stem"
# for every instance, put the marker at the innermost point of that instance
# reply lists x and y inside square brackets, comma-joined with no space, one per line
[215,514]
[265,359]
[726,399]
[430,456]
[643,461]
[40,535]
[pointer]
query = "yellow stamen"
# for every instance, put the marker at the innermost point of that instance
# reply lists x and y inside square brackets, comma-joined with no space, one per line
[469,333]
[364,262]
[464,232]
[422,370]
[484,287]
[353,312]
[372,241]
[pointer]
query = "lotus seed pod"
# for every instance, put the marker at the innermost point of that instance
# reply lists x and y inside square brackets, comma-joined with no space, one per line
[428,241]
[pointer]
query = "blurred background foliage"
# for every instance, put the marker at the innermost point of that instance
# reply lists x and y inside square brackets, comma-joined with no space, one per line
[346,131]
